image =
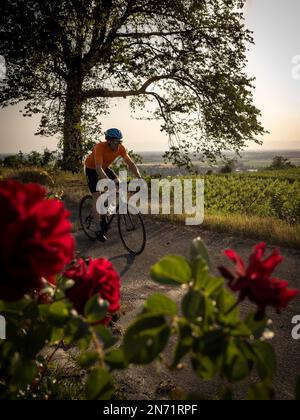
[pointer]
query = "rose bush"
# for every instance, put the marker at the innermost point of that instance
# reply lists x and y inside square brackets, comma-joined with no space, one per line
[98,277]
[36,240]
[255,281]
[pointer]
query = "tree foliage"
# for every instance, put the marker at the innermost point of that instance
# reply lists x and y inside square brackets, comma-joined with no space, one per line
[280,162]
[68,59]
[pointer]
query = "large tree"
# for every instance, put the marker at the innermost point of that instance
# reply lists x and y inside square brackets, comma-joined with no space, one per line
[66,59]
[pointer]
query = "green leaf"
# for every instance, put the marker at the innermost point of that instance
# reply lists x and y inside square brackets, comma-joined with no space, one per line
[266,362]
[96,309]
[115,358]
[88,359]
[215,285]
[99,385]
[200,274]
[44,310]
[57,336]
[211,285]
[226,301]
[14,307]
[236,366]
[184,343]
[193,305]
[105,336]
[36,339]
[261,392]
[161,304]
[257,327]
[208,353]
[171,270]
[241,330]
[146,338]
[58,313]
[75,330]
[23,371]
[204,367]
[199,252]
[212,343]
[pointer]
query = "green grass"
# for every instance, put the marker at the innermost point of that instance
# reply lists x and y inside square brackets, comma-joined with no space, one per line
[270,230]
[58,183]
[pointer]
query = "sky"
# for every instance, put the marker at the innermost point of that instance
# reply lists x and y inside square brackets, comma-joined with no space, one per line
[274,61]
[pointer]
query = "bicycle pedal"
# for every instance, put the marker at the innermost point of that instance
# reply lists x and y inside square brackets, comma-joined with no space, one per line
[101,237]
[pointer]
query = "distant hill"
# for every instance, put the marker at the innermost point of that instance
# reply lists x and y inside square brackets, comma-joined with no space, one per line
[250,160]
[4,155]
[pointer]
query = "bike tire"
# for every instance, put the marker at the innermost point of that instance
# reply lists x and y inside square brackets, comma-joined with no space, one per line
[142,240]
[83,219]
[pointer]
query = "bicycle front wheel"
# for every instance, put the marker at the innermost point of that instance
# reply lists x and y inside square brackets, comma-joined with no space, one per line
[86,217]
[132,232]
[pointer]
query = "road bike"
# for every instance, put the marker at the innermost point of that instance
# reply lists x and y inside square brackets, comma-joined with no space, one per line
[131,227]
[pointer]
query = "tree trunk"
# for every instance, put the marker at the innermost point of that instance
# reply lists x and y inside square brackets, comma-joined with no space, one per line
[73,140]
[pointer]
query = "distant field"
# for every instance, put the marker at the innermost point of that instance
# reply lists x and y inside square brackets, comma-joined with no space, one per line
[250,160]
[260,163]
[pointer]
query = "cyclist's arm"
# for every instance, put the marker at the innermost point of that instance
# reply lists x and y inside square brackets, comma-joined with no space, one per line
[99,163]
[132,166]
[100,171]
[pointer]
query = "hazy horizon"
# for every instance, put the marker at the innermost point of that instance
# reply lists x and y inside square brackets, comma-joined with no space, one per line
[277,94]
[155,151]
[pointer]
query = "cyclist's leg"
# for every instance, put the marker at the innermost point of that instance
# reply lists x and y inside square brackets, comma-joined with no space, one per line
[96,215]
[112,175]
[92,178]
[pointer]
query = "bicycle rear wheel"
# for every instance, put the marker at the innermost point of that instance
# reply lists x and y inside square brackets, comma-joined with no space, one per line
[132,232]
[86,217]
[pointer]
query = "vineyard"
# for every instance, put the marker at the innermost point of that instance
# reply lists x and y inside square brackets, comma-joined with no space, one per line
[265,194]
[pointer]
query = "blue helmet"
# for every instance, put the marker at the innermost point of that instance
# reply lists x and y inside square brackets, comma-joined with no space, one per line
[112,134]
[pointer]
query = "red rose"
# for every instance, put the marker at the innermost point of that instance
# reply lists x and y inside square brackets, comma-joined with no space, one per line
[35,241]
[256,283]
[98,277]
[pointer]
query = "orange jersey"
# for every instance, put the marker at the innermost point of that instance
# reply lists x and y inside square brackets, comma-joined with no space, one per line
[102,155]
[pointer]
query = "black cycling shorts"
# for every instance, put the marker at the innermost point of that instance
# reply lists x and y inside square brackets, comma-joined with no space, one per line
[93,178]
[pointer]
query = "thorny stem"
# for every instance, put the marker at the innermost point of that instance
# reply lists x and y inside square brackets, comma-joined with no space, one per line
[98,348]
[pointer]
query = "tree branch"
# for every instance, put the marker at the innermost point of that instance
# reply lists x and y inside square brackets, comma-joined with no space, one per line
[59,71]
[106,93]
[100,45]
[149,34]
[101,14]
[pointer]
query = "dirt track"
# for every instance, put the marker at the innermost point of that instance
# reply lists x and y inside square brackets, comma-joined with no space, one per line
[152,382]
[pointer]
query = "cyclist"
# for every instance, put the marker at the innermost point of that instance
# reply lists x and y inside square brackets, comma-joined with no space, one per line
[97,166]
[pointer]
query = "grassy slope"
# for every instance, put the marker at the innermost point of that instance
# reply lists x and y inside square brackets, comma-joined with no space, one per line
[270,230]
